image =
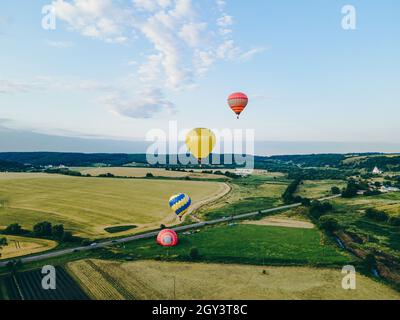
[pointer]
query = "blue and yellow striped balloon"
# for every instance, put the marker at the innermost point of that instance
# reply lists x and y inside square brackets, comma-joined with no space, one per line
[180,204]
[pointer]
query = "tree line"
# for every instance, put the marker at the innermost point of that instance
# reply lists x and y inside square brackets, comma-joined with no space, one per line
[43,229]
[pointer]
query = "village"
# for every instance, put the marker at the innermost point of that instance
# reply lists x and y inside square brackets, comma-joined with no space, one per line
[376,187]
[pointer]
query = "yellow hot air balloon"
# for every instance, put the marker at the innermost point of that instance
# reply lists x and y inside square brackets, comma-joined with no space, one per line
[200,142]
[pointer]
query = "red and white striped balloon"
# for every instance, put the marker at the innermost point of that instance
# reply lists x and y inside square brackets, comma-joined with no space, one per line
[167,238]
[238,102]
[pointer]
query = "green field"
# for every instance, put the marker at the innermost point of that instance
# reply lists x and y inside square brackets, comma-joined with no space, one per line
[389,202]
[155,280]
[376,235]
[318,188]
[88,205]
[253,193]
[250,244]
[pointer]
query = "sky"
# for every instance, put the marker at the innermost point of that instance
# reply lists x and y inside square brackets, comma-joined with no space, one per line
[114,70]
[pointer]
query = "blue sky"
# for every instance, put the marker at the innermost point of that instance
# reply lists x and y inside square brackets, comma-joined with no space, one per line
[116,69]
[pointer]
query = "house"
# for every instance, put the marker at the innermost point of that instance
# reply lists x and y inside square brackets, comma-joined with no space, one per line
[376,171]
[389,189]
[244,172]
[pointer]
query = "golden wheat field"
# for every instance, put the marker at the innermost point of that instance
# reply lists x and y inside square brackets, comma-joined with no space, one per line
[20,246]
[142,172]
[88,205]
[155,280]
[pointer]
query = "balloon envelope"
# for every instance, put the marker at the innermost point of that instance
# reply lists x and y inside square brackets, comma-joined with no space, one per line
[200,142]
[238,102]
[167,238]
[180,204]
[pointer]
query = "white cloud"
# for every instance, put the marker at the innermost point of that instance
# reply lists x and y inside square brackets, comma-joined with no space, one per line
[228,50]
[149,102]
[44,83]
[191,33]
[248,55]
[221,4]
[99,19]
[186,42]
[11,87]
[225,21]
[152,5]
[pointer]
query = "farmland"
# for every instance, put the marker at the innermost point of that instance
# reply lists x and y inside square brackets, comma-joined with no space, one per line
[253,193]
[376,235]
[282,220]
[86,206]
[30,287]
[142,172]
[155,280]
[388,202]
[249,244]
[20,246]
[318,188]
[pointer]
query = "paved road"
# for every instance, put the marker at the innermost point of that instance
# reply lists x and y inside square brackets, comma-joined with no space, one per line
[147,235]
[153,234]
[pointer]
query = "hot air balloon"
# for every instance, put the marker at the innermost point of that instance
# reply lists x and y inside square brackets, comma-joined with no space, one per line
[238,102]
[200,142]
[167,238]
[180,204]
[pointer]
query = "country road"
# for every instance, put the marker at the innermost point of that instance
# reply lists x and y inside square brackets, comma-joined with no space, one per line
[148,235]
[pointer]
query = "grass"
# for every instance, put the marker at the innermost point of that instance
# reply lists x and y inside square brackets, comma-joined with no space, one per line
[145,280]
[318,188]
[350,213]
[253,193]
[248,244]
[118,229]
[87,206]
[358,159]
[21,246]
[389,202]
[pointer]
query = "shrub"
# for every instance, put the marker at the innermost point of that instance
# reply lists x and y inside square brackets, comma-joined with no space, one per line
[318,209]
[305,202]
[394,221]
[372,193]
[376,215]
[351,190]
[370,261]
[106,175]
[67,236]
[329,224]
[57,231]
[194,253]
[335,190]
[13,229]
[86,242]
[42,229]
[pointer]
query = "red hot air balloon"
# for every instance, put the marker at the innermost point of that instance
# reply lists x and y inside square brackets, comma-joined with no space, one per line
[238,102]
[167,238]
